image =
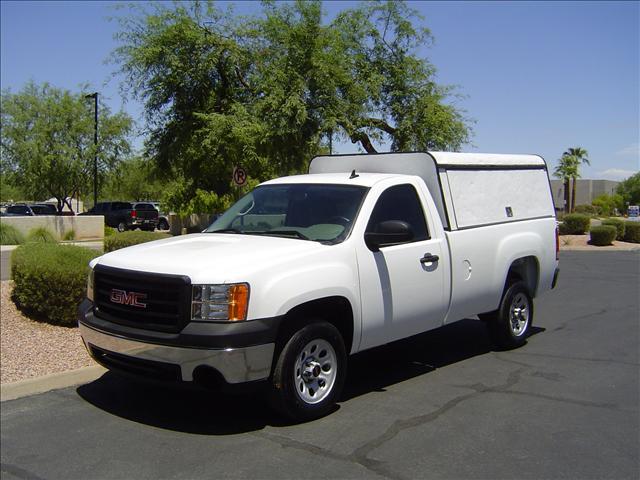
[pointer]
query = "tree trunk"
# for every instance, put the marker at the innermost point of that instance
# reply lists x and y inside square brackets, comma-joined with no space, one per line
[573,195]
[567,198]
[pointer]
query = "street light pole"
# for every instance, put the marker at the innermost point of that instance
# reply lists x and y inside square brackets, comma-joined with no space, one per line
[95,143]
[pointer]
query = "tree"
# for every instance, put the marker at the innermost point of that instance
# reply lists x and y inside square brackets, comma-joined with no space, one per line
[629,189]
[134,179]
[566,170]
[47,141]
[576,156]
[268,92]
[608,204]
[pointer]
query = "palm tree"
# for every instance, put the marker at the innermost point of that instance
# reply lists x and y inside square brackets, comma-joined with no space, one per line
[578,156]
[566,170]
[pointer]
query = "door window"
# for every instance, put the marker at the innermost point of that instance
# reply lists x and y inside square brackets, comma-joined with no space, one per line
[400,202]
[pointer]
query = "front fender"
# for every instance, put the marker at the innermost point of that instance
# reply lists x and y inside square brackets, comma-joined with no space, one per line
[276,294]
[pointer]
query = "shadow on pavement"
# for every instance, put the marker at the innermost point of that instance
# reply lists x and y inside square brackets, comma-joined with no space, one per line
[214,413]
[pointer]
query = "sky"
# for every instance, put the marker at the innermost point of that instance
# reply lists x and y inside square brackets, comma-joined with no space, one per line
[535,77]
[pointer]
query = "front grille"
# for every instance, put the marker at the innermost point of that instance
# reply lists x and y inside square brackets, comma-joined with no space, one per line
[166,298]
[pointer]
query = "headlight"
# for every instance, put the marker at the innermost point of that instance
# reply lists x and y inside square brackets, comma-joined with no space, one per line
[90,285]
[219,302]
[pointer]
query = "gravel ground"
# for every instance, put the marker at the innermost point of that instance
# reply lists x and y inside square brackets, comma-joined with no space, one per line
[581,242]
[32,349]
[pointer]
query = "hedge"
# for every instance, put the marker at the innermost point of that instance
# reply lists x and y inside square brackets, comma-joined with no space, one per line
[602,235]
[586,210]
[632,232]
[619,224]
[126,239]
[10,235]
[574,224]
[50,280]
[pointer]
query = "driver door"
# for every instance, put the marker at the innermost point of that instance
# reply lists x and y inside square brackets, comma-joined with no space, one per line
[402,286]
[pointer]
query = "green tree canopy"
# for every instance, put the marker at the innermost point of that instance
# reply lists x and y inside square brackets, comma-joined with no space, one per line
[47,141]
[267,92]
[629,189]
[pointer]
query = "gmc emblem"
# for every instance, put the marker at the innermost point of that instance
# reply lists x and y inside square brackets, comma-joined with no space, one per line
[128,298]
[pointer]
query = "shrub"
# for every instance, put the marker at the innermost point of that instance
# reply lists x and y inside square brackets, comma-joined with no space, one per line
[126,239]
[10,235]
[41,235]
[69,235]
[50,280]
[619,224]
[574,224]
[586,210]
[108,231]
[602,235]
[632,232]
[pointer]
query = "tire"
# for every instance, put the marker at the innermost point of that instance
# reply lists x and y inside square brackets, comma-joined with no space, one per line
[122,227]
[510,325]
[163,224]
[309,373]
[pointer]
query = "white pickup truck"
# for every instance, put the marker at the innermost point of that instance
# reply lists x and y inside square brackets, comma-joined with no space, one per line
[306,270]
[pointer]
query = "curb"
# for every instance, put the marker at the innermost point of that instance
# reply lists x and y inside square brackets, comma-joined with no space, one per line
[54,381]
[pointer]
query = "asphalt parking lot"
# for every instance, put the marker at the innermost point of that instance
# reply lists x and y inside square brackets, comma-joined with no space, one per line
[441,405]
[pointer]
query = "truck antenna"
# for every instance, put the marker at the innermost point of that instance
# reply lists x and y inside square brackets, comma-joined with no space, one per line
[353,174]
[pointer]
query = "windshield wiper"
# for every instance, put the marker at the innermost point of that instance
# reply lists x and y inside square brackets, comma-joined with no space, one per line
[279,233]
[226,230]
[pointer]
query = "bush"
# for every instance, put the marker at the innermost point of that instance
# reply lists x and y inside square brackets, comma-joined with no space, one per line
[126,239]
[41,235]
[10,235]
[632,232]
[602,235]
[586,210]
[619,224]
[69,235]
[108,231]
[574,224]
[50,280]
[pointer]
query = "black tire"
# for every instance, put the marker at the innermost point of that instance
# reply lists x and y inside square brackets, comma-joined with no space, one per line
[510,325]
[292,390]
[163,224]
[122,226]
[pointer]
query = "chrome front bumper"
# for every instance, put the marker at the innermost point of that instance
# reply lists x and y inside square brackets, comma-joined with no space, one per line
[236,365]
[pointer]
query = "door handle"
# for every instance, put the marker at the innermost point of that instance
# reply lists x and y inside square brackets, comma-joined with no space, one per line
[428,258]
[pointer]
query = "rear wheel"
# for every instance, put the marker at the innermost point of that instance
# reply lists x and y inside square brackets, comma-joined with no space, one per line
[122,227]
[509,326]
[309,373]
[163,224]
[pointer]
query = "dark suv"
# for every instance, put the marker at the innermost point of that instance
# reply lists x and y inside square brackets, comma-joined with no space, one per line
[123,215]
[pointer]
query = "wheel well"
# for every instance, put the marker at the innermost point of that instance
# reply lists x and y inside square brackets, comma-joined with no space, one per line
[335,310]
[527,270]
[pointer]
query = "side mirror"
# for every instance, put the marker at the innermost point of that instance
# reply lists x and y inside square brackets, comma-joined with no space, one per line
[390,232]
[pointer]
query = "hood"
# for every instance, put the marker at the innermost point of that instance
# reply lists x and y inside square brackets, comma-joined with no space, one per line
[212,257]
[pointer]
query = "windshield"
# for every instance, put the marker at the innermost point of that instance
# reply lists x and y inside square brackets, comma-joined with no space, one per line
[318,212]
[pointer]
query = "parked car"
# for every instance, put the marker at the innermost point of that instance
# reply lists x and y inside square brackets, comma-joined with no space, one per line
[44,209]
[306,270]
[163,218]
[123,215]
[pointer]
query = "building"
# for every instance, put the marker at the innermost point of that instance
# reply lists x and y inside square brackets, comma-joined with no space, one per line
[586,191]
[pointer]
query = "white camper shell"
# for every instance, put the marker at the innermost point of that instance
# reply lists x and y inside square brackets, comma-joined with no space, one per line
[469,189]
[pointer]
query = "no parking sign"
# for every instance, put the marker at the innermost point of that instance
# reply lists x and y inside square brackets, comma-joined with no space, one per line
[239,176]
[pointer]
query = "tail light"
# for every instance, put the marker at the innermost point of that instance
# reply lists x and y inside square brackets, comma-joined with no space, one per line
[134,214]
[557,244]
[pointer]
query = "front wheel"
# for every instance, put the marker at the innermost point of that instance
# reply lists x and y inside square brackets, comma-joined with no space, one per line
[510,325]
[310,372]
